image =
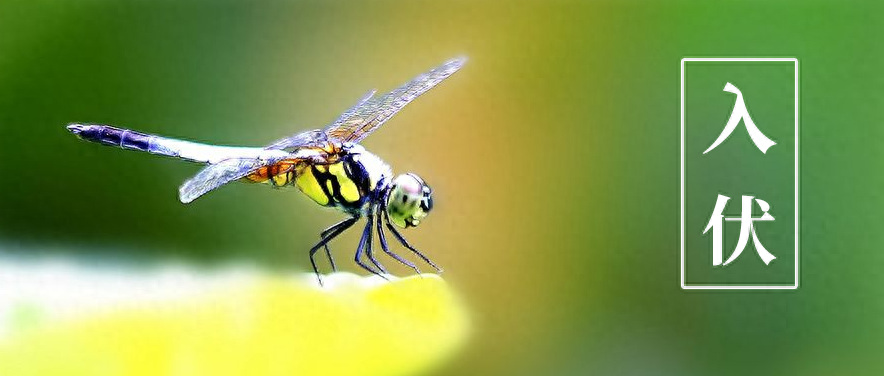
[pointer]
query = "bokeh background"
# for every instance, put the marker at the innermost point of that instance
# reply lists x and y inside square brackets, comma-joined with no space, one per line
[553,156]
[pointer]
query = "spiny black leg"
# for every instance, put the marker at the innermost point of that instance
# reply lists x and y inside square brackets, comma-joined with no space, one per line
[328,235]
[331,260]
[361,248]
[325,232]
[369,247]
[386,249]
[405,242]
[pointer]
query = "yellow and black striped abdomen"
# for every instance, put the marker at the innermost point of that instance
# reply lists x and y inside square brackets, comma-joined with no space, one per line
[343,183]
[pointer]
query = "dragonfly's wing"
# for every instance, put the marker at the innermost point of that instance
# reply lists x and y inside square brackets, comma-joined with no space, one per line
[308,138]
[316,137]
[370,113]
[356,107]
[218,174]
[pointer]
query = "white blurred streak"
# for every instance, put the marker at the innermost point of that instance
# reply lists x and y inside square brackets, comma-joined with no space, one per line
[58,289]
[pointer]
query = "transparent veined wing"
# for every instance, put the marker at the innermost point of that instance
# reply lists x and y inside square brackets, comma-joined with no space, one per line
[356,107]
[359,121]
[369,112]
[315,138]
[218,174]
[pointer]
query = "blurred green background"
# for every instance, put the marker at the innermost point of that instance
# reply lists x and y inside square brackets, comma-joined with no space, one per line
[553,156]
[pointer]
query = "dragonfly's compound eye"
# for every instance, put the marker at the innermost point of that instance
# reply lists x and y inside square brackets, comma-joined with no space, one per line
[410,200]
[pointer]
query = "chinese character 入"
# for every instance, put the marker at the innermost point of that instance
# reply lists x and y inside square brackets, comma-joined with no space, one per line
[741,113]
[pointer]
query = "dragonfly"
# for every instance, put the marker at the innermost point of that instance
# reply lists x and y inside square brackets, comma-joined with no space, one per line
[327,165]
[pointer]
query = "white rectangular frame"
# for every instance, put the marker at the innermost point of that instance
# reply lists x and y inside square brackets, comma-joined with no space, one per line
[794,286]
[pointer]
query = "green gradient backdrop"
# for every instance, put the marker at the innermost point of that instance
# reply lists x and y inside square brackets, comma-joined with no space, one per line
[554,155]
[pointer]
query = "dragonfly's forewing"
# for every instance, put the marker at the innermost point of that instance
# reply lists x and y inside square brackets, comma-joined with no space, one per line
[352,111]
[317,137]
[359,121]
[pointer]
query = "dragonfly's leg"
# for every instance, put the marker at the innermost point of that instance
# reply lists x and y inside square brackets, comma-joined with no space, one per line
[405,243]
[369,247]
[327,236]
[386,248]
[360,249]
[325,232]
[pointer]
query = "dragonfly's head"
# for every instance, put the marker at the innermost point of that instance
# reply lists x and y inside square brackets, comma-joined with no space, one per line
[410,200]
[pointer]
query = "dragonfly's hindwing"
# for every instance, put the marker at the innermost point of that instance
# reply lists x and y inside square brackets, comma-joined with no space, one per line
[216,175]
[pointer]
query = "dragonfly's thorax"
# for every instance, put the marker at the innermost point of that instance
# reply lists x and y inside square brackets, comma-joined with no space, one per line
[349,183]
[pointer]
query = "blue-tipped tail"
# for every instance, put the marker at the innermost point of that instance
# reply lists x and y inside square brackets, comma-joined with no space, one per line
[170,147]
[111,136]
[77,128]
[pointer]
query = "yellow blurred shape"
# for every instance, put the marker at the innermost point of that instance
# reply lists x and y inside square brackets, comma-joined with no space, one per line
[274,326]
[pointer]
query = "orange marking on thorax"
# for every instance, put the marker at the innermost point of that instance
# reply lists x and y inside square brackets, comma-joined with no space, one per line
[283,172]
[278,171]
